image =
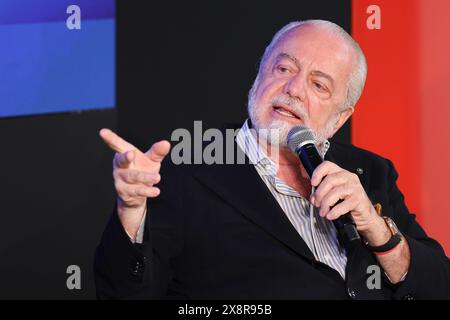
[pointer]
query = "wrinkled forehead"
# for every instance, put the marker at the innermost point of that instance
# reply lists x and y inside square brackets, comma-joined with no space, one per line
[318,48]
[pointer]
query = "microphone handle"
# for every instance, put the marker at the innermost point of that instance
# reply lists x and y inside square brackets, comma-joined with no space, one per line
[346,227]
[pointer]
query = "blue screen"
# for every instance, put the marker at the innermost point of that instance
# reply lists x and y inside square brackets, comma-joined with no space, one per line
[46,67]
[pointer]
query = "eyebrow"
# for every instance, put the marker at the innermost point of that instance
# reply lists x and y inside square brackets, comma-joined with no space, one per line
[294,60]
[289,57]
[322,74]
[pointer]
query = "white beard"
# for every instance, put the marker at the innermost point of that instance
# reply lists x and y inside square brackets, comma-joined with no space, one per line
[277,130]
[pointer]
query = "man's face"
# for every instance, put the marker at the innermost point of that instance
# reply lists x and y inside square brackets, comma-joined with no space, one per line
[304,81]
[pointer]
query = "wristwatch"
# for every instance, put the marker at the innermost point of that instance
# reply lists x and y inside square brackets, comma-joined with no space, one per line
[395,239]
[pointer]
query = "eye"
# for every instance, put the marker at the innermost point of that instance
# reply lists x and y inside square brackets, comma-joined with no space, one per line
[319,86]
[282,69]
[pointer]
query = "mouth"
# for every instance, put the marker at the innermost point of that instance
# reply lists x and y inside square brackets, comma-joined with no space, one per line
[285,112]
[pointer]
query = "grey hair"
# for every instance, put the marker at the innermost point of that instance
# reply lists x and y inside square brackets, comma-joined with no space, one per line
[357,78]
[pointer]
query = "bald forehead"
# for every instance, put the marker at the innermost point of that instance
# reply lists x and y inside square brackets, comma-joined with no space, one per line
[316,36]
[319,45]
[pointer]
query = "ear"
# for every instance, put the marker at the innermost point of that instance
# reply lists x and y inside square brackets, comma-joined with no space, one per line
[342,118]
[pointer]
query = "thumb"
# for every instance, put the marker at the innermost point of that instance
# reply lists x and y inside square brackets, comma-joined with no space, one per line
[158,150]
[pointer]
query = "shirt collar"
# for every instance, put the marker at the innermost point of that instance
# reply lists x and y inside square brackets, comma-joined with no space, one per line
[248,143]
[246,140]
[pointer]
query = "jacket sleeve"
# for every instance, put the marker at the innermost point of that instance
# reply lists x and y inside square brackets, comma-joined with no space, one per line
[428,276]
[126,270]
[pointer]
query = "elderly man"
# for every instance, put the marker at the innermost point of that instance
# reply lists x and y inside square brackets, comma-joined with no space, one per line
[264,229]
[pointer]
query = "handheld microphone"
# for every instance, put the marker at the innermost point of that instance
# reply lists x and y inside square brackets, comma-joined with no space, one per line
[301,140]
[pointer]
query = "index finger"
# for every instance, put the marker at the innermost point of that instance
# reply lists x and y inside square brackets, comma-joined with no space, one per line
[322,170]
[115,142]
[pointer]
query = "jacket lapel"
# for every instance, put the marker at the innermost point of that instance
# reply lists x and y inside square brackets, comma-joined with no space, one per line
[358,257]
[241,186]
[349,163]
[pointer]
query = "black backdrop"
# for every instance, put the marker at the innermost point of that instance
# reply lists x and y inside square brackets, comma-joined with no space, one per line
[177,61]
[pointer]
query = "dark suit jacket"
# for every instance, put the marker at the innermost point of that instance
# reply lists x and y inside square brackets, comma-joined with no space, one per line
[216,232]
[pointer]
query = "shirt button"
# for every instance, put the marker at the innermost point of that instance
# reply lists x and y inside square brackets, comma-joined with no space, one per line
[351,293]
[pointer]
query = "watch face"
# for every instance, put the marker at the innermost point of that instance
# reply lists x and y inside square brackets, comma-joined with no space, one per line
[391,224]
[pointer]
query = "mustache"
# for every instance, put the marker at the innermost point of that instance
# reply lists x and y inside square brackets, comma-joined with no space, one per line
[293,103]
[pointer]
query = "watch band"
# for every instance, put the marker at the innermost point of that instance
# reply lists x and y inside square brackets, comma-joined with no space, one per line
[388,246]
[392,242]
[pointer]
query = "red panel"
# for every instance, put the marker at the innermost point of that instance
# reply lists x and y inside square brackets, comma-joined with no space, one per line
[393,118]
[435,115]
[386,118]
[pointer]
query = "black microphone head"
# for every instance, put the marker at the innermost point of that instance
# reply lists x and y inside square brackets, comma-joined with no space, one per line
[299,136]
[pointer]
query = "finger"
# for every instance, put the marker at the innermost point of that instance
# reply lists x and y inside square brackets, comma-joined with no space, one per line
[136,177]
[340,209]
[322,170]
[158,151]
[331,181]
[123,160]
[115,142]
[332,197]
[128,192]
[148,192]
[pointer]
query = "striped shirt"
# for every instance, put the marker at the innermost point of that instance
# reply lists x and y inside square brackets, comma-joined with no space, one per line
[319,233]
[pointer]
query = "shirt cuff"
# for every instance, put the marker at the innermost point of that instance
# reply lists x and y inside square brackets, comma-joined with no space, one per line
[140,234]
[401,279]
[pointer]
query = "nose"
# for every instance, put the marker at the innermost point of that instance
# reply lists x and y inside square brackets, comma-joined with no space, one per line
[296,87]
